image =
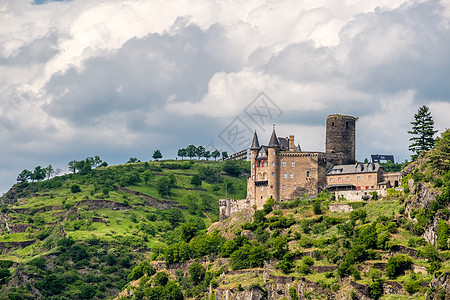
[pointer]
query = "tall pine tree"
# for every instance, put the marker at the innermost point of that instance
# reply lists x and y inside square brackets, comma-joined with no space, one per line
[422,131]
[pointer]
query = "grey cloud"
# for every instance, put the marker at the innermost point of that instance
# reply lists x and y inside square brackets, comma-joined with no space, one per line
[140,76]
[423,65]
[304,63]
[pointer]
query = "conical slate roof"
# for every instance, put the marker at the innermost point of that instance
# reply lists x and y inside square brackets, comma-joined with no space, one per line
[273,140]
[255,143]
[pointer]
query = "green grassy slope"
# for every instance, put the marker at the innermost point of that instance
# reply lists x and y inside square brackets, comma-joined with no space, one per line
[114,219]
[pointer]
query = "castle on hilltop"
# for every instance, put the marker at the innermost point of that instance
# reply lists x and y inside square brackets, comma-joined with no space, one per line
[283,171]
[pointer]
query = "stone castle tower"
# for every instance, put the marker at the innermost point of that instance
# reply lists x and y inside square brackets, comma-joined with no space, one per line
[340,137]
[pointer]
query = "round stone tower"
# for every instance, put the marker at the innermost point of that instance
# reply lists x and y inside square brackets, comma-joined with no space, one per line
[340,137]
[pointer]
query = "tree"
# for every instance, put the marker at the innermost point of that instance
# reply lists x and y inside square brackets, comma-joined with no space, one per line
[24,176]
[147,175]
[207,154]
[215,154]
[224,154]
[38,173]
[157,155]
[422,131]
[163,186]
[98,161]
[182,153]
[191,151]
[440,156]
[132,160]
[200,152]
[49,172]
[72,166]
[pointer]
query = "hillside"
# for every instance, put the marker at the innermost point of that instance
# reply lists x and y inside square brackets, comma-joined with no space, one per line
[394,247]
[107,233]
[79,235]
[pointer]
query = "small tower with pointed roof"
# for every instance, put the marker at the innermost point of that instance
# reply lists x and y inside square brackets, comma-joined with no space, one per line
[274,165]
[251,187]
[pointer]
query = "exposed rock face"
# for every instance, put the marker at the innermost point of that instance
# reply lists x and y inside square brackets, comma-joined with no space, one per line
[392,288]
[430,233]
[441,284]
[251,294]
[421,197]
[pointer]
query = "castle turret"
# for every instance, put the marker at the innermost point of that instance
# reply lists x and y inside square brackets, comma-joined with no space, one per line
[340,137]
[251,190]
[273,166]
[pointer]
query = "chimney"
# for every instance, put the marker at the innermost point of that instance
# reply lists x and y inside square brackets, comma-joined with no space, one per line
[291,143]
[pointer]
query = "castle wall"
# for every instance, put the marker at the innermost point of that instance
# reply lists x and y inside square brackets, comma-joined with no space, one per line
[228,207]
[394,178]
[359,195]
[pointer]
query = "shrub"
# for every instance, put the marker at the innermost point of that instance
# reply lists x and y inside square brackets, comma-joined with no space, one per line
[4,275]
[396,265]
[304,269]
[233,168]
[316,207]
[75,188]
[196,180]
[412,286]
[196,273]
[374,274]
[249,257]
[376,290]
[285,265]
[308,260]
[143,268]
[50,285]
[293,293]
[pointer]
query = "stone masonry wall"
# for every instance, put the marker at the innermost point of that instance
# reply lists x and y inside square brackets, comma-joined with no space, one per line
[228,207]
[340,136]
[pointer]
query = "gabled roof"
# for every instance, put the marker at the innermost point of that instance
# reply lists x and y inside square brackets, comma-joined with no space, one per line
[273,142]
[354,168]
[262,153]
[255,143]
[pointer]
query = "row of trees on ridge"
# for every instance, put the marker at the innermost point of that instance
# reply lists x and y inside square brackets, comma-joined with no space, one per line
[200,152]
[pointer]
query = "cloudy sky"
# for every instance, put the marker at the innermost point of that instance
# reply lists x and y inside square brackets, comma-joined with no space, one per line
[121,79]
